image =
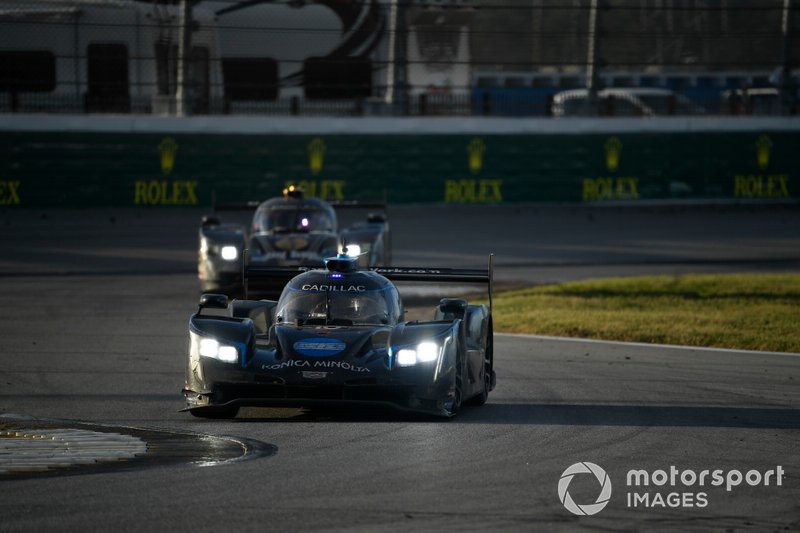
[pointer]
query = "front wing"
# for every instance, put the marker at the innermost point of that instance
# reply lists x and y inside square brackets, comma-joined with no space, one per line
[263,377]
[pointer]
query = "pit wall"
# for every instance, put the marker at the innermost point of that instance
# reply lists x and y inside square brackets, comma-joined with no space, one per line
[152,161]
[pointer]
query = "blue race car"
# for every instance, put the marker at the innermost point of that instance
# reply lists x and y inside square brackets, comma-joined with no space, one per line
[338,335]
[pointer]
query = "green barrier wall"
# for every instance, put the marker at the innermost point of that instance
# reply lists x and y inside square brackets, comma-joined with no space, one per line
[130,169]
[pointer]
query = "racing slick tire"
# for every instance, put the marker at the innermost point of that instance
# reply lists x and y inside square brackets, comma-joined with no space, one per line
[488,365]
[453,407]
[481,398]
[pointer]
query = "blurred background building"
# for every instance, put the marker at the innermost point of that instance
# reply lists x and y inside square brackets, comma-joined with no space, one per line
[400,57]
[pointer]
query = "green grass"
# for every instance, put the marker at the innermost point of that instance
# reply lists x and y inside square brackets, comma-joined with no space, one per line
[744,311]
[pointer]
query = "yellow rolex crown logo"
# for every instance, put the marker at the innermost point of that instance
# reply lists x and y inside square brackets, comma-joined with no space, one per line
[475,148]
[316,155]
[168,148]
[763,151]
[613,150]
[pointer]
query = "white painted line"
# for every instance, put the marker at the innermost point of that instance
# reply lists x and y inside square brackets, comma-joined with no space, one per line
[646,345]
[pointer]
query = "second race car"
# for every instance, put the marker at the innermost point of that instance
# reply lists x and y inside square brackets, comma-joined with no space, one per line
[292,230]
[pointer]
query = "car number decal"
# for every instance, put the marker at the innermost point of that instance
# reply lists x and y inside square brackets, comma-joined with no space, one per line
[314,375]
[319,347]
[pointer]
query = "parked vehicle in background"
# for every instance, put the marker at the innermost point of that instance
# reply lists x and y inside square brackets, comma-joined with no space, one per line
[514,93]
[752,101]
[623,102]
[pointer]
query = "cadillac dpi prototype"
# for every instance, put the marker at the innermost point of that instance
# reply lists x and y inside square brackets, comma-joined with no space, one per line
[337,336]
[292,230]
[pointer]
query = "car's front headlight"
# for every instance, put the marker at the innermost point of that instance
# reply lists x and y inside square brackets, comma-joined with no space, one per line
[424,352]
[229,253]
[353,250]
[222,352]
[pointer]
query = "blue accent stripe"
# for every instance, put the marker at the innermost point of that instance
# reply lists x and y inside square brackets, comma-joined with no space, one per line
[243,351]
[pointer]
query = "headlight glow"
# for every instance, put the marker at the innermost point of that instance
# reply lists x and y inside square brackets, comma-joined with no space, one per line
[227,354]
[229,253]
[353,250]
[406,357]
[211,348]
[427,351]
[424,352]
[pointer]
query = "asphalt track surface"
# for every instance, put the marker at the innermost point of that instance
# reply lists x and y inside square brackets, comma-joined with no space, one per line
[93,312]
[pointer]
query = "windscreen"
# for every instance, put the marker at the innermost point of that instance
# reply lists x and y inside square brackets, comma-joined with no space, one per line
[292,219]
[323,307]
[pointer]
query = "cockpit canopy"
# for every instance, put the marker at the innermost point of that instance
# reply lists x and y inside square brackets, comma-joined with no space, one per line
[289,216]
[335,299]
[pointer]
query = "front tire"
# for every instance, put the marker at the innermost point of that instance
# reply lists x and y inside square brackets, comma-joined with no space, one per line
[453,405]
[488,370]
[483,396]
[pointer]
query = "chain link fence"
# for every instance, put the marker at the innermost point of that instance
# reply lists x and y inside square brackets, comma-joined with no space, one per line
[400,57]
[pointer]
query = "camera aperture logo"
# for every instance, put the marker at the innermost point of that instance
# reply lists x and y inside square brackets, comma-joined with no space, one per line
[664,488]
[590,508]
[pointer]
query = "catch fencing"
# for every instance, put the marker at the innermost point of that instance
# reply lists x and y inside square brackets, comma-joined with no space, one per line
[399,57]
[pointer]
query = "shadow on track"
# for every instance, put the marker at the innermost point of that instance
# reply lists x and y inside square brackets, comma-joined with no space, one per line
[330,414]
[544,414]
[633,415]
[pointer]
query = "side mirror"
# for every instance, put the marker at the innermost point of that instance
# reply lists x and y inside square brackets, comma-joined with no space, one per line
[376,218]
[213,301]
[451,308]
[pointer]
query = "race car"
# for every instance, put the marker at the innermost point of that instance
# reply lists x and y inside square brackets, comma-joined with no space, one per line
[292,230]
[338,335]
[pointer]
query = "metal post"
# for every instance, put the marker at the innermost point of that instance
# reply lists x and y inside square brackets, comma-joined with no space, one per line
[786,89]
[400,91]
[390,70]
[184,48]
[591,59]
[77,51]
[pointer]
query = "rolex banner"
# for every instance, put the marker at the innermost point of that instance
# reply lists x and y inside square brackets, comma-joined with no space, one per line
[92,169]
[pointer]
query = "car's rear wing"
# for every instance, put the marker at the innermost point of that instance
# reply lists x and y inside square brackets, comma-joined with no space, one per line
[443,275]
[283,275]
[233,206]
[253,204]
[357,204]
